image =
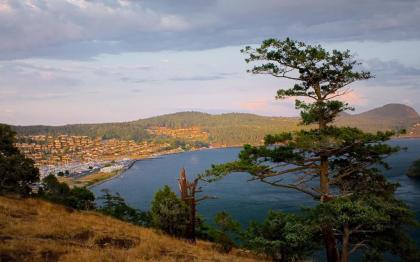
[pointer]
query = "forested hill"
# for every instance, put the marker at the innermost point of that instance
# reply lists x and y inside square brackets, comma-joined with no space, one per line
[228,129]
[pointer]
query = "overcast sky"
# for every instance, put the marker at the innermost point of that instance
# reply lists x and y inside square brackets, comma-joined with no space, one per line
[75,61]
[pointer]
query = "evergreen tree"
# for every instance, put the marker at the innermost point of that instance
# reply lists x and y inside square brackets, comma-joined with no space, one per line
[81,198]
[17,173]
[414,170]
[282,236]
[115,206]
[169,213]
[324,162]
[59,192]
[370,225]
[222,233]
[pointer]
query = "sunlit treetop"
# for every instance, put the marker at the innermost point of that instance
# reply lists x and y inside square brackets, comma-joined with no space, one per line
[320,75]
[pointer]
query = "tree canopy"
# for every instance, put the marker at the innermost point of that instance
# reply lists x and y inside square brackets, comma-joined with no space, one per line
[59,192]
[115,206]
[17,173]
[414,170]
[339,166]
[169,213]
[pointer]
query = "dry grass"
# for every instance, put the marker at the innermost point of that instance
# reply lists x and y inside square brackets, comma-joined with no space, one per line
[34,230]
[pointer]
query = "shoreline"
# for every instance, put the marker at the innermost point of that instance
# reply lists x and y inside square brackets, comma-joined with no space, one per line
[405,138]
[118,173]
[122,171]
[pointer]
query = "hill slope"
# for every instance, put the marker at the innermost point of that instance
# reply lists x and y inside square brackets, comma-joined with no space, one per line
[392,111]
[34,230]
[232,128]
[390,116]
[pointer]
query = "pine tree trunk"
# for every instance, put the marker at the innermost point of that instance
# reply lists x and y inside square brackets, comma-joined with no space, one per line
[191,224]
[188,190]
[327,230]
[330,244]
[345,249]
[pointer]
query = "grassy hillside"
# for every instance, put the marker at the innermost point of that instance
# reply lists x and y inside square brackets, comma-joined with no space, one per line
[232,128]
[34,230]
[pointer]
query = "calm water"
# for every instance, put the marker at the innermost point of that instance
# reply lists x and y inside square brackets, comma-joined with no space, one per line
[244,200]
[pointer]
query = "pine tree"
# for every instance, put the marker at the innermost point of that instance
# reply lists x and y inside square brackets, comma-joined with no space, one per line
[324,162]
[169,213]
[17,173]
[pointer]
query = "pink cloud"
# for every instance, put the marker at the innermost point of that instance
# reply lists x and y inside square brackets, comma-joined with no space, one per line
[354,98]
[254,105]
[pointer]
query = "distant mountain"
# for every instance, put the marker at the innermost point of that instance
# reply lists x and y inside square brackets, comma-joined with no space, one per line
[229,129]
[392,111]
[390,116]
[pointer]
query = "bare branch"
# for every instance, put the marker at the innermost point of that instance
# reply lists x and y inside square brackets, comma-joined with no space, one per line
[277,75]
[204,198]
[358,245]
[291,170]
[291,186]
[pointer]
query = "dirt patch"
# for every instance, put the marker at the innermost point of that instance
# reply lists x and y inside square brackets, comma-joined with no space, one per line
[4,239]
[50,256]
[4,210]
[83,236]
[24,215]
[123,243]
[69,209]
[178,255]
[50,236]
[15,255]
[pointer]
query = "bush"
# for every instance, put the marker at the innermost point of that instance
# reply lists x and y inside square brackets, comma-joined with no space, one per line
[115,206]
[17,173]
[78,197]
[202,229]
[414,170]
[225,227]
[81,198]
[282,236]
[169,213]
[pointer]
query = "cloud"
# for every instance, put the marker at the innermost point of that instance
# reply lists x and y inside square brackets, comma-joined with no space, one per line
[255,105]
[269,107]
[77,29]
[6,111]
[392,73]
[196,78]
[136,90]
[19,76]
[354,98]
[133,80]
[35,96]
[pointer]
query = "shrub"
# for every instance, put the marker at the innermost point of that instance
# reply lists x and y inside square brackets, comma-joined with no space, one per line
[78,197]
[115,206]
[414,170]
[282,236]
[169,213]
[17,173]
[221,234]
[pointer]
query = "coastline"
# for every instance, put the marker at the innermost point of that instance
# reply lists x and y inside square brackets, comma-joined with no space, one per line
[118,173]
[405,138]
[133,161]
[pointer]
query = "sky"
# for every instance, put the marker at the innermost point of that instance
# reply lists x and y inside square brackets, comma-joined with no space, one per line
[92,61]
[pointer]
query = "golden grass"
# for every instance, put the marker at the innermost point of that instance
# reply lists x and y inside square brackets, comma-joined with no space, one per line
[35,230]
